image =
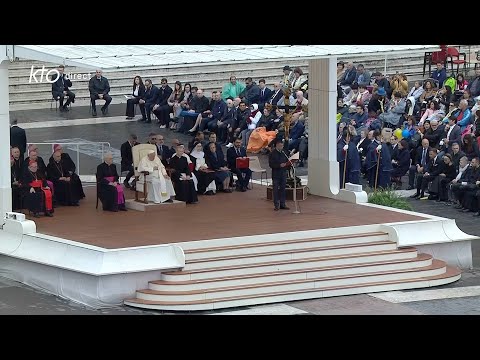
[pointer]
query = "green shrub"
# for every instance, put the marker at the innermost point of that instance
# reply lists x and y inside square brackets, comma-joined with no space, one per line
[389,198]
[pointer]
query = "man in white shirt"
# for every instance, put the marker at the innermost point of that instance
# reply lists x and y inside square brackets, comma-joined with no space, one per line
[159,186]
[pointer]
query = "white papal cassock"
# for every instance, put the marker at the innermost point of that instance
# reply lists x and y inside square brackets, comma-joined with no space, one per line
[159,188]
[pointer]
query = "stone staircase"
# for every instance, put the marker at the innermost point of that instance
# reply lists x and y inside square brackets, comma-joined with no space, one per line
[224,276]
[208,77]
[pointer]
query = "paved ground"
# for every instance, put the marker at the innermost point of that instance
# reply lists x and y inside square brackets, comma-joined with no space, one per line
[457,298]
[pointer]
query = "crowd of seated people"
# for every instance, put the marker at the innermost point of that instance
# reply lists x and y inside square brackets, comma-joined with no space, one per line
[429,132]
[39,187]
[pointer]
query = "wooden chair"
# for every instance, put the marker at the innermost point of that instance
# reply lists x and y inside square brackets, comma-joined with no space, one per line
[139,152]
[255,167]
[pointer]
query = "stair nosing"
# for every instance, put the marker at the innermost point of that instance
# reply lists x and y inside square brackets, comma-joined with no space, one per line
[445,275]
[290,251]
[436,264]
[294,271]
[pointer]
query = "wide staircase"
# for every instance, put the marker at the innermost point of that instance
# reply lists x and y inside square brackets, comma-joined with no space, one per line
[208,77]
[287,270]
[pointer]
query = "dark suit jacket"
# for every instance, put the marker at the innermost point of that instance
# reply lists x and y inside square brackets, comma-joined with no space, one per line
[164,154]
[127,156]
[213,162]
[455,136]
[62,84]
[418,156]
[232,156]
[267,94]
[18,138]
[275,98]
[163,95]
[141,92]
[275,159]
[151,95]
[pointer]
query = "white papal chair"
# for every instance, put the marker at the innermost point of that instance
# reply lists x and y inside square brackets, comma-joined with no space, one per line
[138,153]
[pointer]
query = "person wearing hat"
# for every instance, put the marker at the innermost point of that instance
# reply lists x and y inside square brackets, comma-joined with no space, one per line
[378,102]
[288,76]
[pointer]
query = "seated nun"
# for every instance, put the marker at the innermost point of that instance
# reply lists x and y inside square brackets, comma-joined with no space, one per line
[159,186]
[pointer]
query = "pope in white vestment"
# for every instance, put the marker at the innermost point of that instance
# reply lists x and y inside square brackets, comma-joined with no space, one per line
[159,186]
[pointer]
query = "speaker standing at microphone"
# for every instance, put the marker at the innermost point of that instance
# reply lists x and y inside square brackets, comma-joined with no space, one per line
[279,164]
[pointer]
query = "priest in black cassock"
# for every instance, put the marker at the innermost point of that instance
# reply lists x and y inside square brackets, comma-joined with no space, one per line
[378,153]
[16,187]
[66,189]
[110,191]
[38,197]
[18,161]
[182,177]
[346,149]
[69,162]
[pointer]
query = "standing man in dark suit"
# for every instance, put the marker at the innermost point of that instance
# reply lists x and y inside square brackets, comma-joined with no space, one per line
[237,151]
[18,138]
[161,109]
[163,150]
[127,158]
[60,89]
[265,95]
[279,164]
[99,89]
[151,98]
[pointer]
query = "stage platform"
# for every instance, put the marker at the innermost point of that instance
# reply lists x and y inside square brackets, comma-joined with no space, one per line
[220,216]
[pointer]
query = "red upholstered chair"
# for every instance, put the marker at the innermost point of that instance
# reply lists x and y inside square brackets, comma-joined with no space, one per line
[453,57]
[435,57]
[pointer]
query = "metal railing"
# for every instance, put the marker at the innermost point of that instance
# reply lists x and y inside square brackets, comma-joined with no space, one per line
[92,149]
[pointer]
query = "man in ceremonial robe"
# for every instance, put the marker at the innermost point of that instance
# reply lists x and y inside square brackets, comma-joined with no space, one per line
[182,177]
[110,191]
[378,153]
[159,186]
[16,187]
[38,195]
[66,190]
[71,165]
[346,149]
[42,169]
[17,166]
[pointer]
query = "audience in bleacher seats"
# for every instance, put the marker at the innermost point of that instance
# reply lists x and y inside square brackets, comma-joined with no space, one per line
[460,86]
[348,152]
[243,174]
[399,83]
[159,185]
[38,197]
[243,115]
[342,112]
[66,189]
[296,131]
[340,70]
[265,94]
[161,109]
[182,177]
[232,89]
[199,107]
[288,77]
[362,77]
[226,125]
[252,121]
[60,89]
[266,120]
[359,118]
[216,161]
[428,93]
[251,92]
[433,132]
[394,112]
[16,187]
[71,165]
[378,102]
[433,107]
[463,115]
[299,79]
[127,159]
[470,147]
[416,91]
[474,85]
[138,93]
[445,98]
[214,115]
[467,184]
[205,176]
[110,192]
[174,101]
[468,97]
[99,89]
[378,154]
[447,174]
[189,93]
[351,98]
[151,99]
[349,77]
[277,94]
[382,82]
[439,74]
[18,137]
